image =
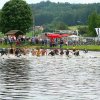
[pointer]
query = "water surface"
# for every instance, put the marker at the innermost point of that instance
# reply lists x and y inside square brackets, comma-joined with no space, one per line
[51,78]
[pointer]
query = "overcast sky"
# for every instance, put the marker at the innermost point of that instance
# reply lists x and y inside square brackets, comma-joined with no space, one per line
[2,2]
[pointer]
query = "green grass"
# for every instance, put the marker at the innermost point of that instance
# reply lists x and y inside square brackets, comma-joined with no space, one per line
[4,46]
[80,47]
[88,47]
[75,27]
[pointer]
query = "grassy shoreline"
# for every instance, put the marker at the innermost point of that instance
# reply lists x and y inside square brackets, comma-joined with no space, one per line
[89,47]
[79,47]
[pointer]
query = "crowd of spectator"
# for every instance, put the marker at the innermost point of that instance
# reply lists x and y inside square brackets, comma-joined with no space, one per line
[23,40]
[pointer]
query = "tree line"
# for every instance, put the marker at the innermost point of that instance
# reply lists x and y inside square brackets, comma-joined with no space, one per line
[71,14]
[18,15]
[61,15]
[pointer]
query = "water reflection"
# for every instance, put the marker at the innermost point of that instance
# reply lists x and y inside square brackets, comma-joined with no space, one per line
[14,78]
[51,78]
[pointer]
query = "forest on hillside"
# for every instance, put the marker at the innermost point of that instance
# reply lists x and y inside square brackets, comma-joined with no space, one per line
[71,14]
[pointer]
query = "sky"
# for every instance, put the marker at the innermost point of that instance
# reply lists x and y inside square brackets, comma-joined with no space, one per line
[2,2]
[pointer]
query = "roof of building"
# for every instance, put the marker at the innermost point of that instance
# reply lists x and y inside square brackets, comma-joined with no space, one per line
[14,32]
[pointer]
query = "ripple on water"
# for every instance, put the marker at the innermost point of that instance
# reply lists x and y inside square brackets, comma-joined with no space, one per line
[51,78]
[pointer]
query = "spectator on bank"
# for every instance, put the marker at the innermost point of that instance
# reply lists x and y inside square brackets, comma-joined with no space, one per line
[61,43]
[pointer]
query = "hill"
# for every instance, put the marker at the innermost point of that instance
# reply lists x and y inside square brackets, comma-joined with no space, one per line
[71,14]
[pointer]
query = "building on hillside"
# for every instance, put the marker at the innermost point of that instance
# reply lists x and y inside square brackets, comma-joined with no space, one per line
[73,32]
[38,28]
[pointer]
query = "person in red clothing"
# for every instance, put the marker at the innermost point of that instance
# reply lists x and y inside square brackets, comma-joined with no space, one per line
[17,43]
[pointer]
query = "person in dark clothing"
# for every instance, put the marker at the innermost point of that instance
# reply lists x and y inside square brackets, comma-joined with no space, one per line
[3,51]
[61,43]
[11,51]
[74,49]
[85,51]
[51,53]
[61,52]
[67,52]
[76,53]
[17,52]
[56,51]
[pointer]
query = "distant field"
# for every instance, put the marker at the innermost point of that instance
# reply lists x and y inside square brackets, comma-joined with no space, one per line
[75,27]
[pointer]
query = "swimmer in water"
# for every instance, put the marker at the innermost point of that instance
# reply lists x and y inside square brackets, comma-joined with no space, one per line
[67,52]
[38,52]
[33,52]
[76,53]
[51,53]
[43,52]
[61,52]
[85,50]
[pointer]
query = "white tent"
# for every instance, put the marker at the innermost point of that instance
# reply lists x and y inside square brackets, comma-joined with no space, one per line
[74,37]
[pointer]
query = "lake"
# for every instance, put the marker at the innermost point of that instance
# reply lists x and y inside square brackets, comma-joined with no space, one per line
[51,78]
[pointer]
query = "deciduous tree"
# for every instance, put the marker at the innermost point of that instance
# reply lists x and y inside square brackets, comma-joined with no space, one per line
[16,15]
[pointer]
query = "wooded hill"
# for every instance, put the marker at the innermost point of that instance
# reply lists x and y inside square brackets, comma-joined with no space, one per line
[71,14]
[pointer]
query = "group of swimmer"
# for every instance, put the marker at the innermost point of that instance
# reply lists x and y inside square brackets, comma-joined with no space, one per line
[22,51]
[39,52]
